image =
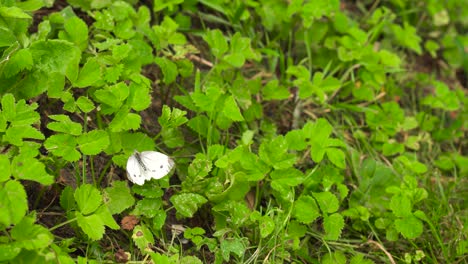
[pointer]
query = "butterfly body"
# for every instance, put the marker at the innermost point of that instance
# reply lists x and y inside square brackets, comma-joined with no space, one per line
[147,165]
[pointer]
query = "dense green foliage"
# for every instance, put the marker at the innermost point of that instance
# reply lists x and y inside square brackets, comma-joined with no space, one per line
[303,131]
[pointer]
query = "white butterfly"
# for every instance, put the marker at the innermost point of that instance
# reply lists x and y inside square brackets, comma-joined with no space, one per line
[147,165]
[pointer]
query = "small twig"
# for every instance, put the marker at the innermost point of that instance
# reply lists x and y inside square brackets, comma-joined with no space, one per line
[383,249]
[200,60]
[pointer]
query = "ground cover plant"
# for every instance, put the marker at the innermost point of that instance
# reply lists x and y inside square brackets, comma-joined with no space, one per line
[301,131]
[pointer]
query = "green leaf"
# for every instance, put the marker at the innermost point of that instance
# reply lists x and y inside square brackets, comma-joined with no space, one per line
[5,168]
[187,204]
[13,12]
[337,157]
[172,119]
[30,236]
[20,60]
[56,56]
[296,140]
[217,42]
[76,31]
[143,238]
[305,209]
[233,245]
[88,198]
[401,205]
[89,74]
[9,251]
[92,225]
[85,104]
[201,124]
[124,120]
[139,98]
[67,201]
[231,109]
[148,207]
[106,217]
[333,224]
[273,91]
[267,226]
[13,203]
[275,153]
[93,142]
[289,177]
[118,197]
[410,227]
[407,37]
[63,145]
[114,95]
[29,168]
[64,125]
[168,68]
[327,201]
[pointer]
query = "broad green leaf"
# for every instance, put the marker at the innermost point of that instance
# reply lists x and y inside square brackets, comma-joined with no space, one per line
[290,177]
[76,31]
[16,134]
[232,245]
[13,12]
[359,259]
[88,198]
[9,251]
[187,204]
[333,224]
[5,168]
[85,104]
[29,168]
[118,197]
[200,167]
[336,257]
[327,201]
[13,203]
[296,140]
[407,37]
[237,211]
[124,120]
[148,207]
[217,42]
[201,125]
[56,56]
[63,145]
[174,118]
[305,209]
[106,217]
[172,137]
[274,91]
[30,236]
[139,98]
[159,219]
[267,226]
[92,225]
[337,157]
[410,227]
[275,153]
[65,125]
[20,60]
[114,95]
[143,238]
[89,74]
[401,205]
[168,68]
[93,142]
[231,109]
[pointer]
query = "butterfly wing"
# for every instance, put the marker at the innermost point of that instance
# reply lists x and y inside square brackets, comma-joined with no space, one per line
[157,164]
[135,172]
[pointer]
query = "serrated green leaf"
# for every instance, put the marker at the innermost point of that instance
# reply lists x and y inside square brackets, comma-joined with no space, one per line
[333,224]
[92,225]
[118,197]
[13,12]
[159,219]
[327,201]
[20,60]
[172,119]
[231,109]
[16,134]
[63,145]
[124,120]
[76,31]
[401,205]
[305,209]
[410,227]
[9,251]
[56,56]
[275,153]
[229,246]
[29,168]
[30,236]
[13,203]
[93,142]
[187,204]
[64,125]
[273,91]
[106,217]
[88,198]
[114,95]
[289,177]
[139,98]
